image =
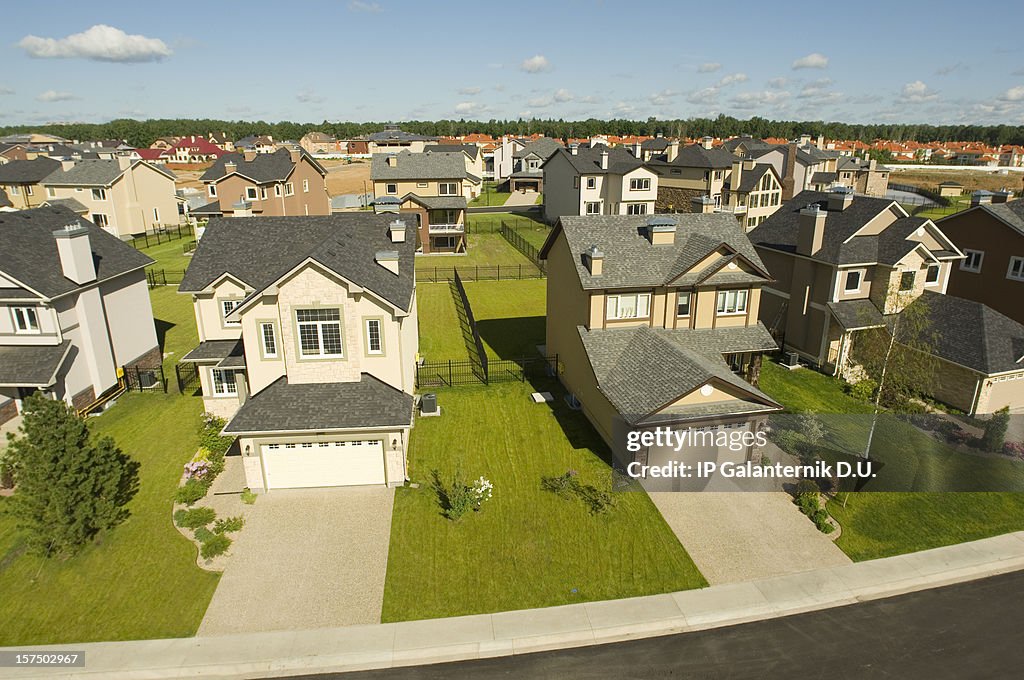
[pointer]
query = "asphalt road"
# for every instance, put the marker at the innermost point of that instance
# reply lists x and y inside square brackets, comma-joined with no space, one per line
[971,630]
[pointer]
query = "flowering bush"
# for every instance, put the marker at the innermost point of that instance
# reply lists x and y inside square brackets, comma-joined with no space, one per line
[482,489]
[196,469]
[1014,449]
[456,497]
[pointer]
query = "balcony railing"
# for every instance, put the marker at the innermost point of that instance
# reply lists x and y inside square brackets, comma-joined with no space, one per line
[446,228]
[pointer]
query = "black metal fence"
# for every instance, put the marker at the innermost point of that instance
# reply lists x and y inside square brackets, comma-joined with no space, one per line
[164,277]
[497,272]
[454,373]
[187,375]
[163,234]
[522,245]
[469,323]
[144,378]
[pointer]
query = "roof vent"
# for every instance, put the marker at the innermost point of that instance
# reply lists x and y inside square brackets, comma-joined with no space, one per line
[387,259]
[839,198]
[661,230]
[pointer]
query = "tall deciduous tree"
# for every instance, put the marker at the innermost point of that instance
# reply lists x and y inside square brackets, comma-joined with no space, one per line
[70,484]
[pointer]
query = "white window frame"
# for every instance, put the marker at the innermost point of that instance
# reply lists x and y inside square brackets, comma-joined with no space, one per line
[269,349]
[212,190]
[640,184]
[319,325]
[29,190]
[641,306]
[225,310]
[636,208]
[289,189]
[99,194]
[25,325]
[51,192]
[732,302]
[591,182]
[254,196]
[938,274]
[588,204]
[263,193]
[391,188]
[422,185]
[965,263]
[447,188]
[14,190]
[100,220]
[226,388]
[680,297]
[277,191]
[846,281]
[380,337]
[1019,274]
[305,186]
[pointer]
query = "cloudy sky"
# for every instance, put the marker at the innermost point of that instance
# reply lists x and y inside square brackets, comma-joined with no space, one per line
[394,60]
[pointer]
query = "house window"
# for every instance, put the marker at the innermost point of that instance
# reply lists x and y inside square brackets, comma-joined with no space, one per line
[422,185]
[305,186]
[442,242]
[447,189]
[251,193]
[263,193]
[932,275]
[100,220]
[676,171]
[629,306]
[1016,269]
[591,182]
[776,197]
[907,280]
[51,192]
[319,332]
[391,188]
[732,302]
[289,189]
[14,190]
[223,382]
[640,184]
[25,320]
[852,282]
[374,339]
[751,222]
[636,208]
[718,175]
[683,304]
[225,307]
[99,194]
[593,208]
[268,340]
[213,190]
[29,190]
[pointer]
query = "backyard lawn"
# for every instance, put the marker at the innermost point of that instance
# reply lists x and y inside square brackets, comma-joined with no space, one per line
[141,580]
[879,524]
[527,547]
[490,196]
[169,255]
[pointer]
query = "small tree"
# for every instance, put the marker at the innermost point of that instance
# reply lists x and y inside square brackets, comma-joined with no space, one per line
[70,485]
[995,430]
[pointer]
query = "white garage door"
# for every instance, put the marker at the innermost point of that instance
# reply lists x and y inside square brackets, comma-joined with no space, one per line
[323,464]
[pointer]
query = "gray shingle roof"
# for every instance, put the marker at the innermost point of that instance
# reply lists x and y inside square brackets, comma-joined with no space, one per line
[854,164]
[213,351]
[1012,213]
[472,150]
[27,172]
[438,202]
[264,168]
[643,369]
[750,178]
[283,407]
[101,173]
[30,251]
[655,144]
[542,148]
[211,208]
[259,250]
[857,314]
[751,144]
[972,334]
[696,156]
[823,178]
[32,365]
[72,204]
[397,135]
[418,166]
[587,160]
[631,260]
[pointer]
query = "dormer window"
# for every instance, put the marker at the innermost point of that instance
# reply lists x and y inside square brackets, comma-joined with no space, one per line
[25,320]
[683,304]
[907,280]
[932,276]
[227,306]
[852,282]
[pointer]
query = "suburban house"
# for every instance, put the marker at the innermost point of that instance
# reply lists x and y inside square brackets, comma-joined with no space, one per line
[752,193]
[123,196]
[526,165]
[992,271]
[286,182]
[221,141]
[20,180]
[392,139]
[76,309]
[308,341]
[257,143]
[192,149]
[654,320]
[844,264]
[657,148]
[597,180]
[318,143]
[695,171]
[474,157]
[863,176]
[503,156]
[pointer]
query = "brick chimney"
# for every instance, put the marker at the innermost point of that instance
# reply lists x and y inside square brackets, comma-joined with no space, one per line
[604,159]
[294,155]
[788,180]
[593,258]
[75,253]
[230,167]
[811,231]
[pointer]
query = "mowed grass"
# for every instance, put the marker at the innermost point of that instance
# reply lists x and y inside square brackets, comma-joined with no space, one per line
[169,255]
[490,196]
[527,547]
[140,581]
[510,316]
[440,331]
[880,524]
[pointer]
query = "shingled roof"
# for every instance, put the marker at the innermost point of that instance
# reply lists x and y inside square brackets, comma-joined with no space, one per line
[631,260]
[32,365]
[260,250]
[696,156]
[418,166]
[30,251]
[27,172]
[542,148]
[263,168]
[471,150]
[96,172]
[587,160]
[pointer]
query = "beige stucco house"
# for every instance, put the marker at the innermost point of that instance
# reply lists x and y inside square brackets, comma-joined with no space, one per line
[308,341]
[286,182]
[597,180]
[697,171]
[20,181]
[74,309]
[753,192]
[654,321]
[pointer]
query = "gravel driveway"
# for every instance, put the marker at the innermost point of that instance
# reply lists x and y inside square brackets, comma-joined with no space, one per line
[307,558]
[742,536]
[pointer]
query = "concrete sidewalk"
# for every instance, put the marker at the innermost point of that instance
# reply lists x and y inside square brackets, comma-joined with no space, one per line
[473,637]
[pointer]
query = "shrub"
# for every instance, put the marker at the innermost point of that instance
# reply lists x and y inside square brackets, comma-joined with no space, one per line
[864,390]
[807,497]
[568,485]
[789,441]
[820,518]
[995,430]
[248,497]
[209,436]
[228,525]
[217,544]
[191,491]
[960,436]
[1014,449]
[6,472]
[194,517]
[455,496]
[203,534]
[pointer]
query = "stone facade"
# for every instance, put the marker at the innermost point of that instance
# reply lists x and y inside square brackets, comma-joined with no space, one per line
[676,199]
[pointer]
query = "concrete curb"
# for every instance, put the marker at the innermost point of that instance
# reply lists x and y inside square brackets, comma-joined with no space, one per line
[392,645]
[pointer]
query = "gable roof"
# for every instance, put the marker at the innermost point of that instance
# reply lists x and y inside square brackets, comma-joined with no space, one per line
[30,251]
[471,150]
[27,172]
[263,168]
[630,260]
[750,178]
[1010,213]
[413,166]
[260,250]
[394,134]
[542,148]
[97,172]
[587,160]
[696,156]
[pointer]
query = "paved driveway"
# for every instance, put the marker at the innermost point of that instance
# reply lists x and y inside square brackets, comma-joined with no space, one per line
[741,536]
[307,558]
[522,198]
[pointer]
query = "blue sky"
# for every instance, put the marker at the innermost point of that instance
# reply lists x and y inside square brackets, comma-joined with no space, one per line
[394,60]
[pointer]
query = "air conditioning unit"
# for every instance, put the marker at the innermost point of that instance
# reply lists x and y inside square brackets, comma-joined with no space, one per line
[792,359]
[428,404]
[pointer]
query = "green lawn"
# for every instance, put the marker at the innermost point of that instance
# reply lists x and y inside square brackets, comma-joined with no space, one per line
[527,548]
[440,333]
[169,255]
[488,250]
[957,204]
[879,524]
[510,316]
[141,580]
[490,196]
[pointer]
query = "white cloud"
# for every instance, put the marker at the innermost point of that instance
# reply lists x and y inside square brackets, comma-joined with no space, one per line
[362,6]
[469,90]
[1014,94]
[535,64]
[308,97]
[55,96]
[815,89]
[99,43]
[705,96]
[709,67]
[6,90]
[812,60]
[917,91]
[757,100]
[732,79]
[563,95]
[663,98]
[540,102]
[778,83]
[470,108]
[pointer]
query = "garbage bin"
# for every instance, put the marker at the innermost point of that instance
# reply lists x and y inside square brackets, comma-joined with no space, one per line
[428,403]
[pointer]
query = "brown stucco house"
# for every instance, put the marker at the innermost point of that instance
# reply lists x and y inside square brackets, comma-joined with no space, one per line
[21,181]
[654,321]
[286,182]
[74,309]
[308,341]
[843,264]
